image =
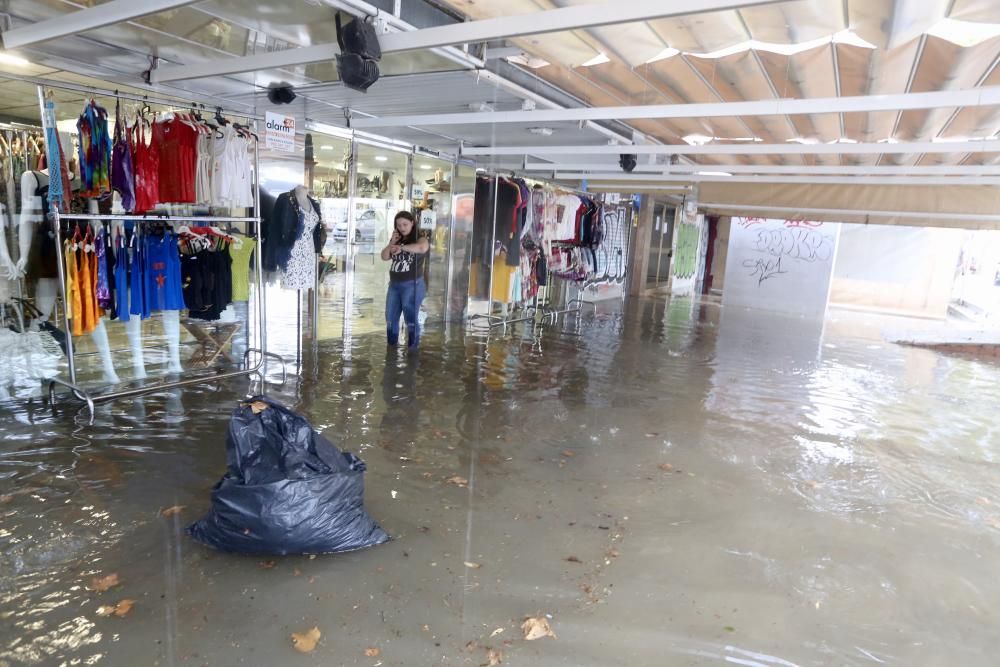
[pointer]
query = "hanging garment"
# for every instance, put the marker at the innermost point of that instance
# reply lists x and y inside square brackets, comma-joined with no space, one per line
[284,227]
[74,300]
[59,188]
[103,290]
[122,173]
[121,280]
[162,276]
[138,303]
[95,151]
[177,144]
[203,170]
[207,283]
[240,254]
[300,271]
[86,264]
[146,168]
[231,169]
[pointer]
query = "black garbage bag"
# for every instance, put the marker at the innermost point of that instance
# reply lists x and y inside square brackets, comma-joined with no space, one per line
[287,489]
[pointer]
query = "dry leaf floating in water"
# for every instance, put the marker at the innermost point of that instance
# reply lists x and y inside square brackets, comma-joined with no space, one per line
[101,584]
[472,566]
[457,481]
[306,641]
[171,511]
[536,627]
[372,652]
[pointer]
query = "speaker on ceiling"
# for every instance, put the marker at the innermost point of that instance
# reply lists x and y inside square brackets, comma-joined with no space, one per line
[627,162]
[280,94]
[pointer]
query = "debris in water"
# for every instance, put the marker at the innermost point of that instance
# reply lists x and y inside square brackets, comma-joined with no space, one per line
[572,559]
[119,610]
[171,511]
[494,658]
[296,572]
[612,553]
[101,584]
[457,481]
[473,566]
[306,641]
[567,453]
[729,628]
[665,467]
[267,564]
[372,652]
[496,632]
[536,627]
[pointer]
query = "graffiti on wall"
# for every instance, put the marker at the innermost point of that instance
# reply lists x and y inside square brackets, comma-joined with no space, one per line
[778,247]
[611,256]
[686,254]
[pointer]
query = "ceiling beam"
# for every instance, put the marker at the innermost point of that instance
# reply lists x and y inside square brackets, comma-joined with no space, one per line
[813,180]
[900,148]
[99,16]
[549,21]
[846,170]
[960,217]
[973,97]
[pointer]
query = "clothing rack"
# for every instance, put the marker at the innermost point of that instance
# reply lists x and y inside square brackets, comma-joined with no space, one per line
[549,314]
[56,216]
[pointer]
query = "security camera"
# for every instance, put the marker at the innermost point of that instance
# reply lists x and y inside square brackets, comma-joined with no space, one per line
[627,162]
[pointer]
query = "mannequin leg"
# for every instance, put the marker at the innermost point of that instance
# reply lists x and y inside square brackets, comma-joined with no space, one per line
[133,327]
[45,297]
[172,330]
[100,337]
[242,337]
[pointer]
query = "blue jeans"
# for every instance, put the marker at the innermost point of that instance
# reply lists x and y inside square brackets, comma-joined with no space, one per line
[404,297]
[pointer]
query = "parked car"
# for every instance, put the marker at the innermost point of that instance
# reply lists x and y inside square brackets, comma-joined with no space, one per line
[365,229]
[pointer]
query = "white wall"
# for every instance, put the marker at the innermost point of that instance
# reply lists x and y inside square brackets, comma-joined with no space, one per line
[783,266]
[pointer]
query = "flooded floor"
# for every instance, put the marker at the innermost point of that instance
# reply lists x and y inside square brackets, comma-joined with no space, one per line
[672,485]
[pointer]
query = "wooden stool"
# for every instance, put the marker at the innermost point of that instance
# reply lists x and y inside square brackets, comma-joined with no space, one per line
[212,340]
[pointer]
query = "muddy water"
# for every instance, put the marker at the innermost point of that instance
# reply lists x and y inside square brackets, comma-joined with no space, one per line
[673,485]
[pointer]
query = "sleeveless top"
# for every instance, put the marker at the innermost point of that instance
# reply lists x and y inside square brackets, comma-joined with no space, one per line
[146,170]
[405,266]
[177,144]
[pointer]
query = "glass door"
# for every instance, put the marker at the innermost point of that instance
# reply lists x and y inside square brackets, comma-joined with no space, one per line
[431,195]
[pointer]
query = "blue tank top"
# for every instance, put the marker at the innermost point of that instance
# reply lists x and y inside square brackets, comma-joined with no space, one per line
[121,280]
[162,277]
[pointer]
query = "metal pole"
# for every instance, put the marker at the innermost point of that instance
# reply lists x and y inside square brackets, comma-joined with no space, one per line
[259,251]
[493,242]
[352,191]
[60,258]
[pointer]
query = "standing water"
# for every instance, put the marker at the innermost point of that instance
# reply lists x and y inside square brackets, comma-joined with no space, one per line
[672,485]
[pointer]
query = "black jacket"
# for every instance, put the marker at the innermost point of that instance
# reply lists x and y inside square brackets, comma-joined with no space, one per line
[282,227]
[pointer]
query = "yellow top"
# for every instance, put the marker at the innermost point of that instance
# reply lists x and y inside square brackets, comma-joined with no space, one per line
[241,268]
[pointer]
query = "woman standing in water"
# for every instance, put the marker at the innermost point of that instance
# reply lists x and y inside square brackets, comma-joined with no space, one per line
[406,253]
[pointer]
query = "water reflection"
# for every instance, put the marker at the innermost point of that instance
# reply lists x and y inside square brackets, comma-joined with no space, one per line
[672,483]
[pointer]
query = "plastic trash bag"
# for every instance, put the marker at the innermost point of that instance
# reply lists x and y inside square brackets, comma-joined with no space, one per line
[287,489]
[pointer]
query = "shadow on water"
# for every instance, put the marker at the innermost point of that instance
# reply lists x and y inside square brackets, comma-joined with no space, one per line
[673,484]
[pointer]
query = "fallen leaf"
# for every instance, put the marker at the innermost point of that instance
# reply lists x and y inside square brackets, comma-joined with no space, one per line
[306,641]
[567,453]
[101,584]
[473,566]
[427,475]
[372,652]
[587,589]
[6,498]
[536,627]
[472,646]
[170,511]
[612,553]
[652,435]
[267,564]
[296,572]
[496,632]
[426,628]
[729,628]
[493,657]
[457,481]
[572,559]
[665,467]
[119,610]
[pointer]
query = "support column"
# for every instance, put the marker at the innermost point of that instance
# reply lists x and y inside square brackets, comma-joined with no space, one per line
[642,227]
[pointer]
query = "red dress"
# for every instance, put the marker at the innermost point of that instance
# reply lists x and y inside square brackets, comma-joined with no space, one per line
[177,144]
[146,166]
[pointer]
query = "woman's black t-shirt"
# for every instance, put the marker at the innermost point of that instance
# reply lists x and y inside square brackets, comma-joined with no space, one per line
[404,266]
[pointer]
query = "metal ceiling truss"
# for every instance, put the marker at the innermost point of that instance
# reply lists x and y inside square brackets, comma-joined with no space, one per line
[549,21]
[899,148]
[635,179]
[974,97]
[649,170]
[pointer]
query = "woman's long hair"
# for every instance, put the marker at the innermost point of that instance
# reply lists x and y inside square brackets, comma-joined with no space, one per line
[412,236]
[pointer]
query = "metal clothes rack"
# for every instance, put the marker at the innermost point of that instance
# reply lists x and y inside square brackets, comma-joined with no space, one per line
[262,354]
[548,313]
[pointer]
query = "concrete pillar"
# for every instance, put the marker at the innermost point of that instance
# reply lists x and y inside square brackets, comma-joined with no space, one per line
[642,226]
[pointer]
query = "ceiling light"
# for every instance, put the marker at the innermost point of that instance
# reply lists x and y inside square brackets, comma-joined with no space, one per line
[701,139]
[481,107]
[806,141]
[425,166]
[326,148]
[11,59]
[713,173]
[529,61]
[599,59]
[543,131]
[381,158]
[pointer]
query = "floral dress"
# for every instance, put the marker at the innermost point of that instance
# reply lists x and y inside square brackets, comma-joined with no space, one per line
[301,270]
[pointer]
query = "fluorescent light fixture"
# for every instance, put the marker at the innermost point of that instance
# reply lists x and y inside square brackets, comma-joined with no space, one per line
[701,139]
[542,131]
[964,33]
[326,148]
[889,140]
[599,59]
[381,158]
[843,140]
[529,61]
[425,166]
[668,52]
[806,141]
[11,59]
[714,173]
[842,37]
